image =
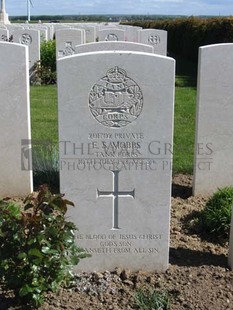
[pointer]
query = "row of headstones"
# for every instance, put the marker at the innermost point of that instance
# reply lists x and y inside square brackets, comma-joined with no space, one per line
[116,134]
[68,39]
[90,32]
[27,37]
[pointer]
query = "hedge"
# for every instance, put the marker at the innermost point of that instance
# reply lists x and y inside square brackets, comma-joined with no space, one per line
[185,35]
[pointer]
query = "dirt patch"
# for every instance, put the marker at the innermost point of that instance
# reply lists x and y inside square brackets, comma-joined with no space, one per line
[197,278]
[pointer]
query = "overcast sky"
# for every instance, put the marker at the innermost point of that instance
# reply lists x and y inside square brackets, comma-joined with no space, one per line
[170,7]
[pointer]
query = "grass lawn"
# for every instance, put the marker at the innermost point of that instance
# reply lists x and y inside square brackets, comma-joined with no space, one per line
[44,114]
[184,129]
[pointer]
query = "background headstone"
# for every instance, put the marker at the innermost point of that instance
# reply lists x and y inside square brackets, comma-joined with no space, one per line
[112,45]
[67,39]
[31,39]
[90,33]
[156,38]
[15,161]
[51,31]
[111,34]
[213,166]
[43,32]
[131,32]
[115,133]
[4,34]
[12,28]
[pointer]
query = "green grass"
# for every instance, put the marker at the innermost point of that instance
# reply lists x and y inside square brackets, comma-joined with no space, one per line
[185,112]
[216,216]
[184,129]
[44,114]
[152,300]
[45,125]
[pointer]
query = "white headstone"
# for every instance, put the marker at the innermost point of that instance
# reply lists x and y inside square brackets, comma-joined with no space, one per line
[230,254]
[51,31]
[115,131]
[30,38]
[43,32]
[112,45]
[4,35]
[12,28]
[90,31]
[103,26]
[15,176]
[60,26]
[156,38]
[111,34]
[67,39]
[214,127]
[131,33]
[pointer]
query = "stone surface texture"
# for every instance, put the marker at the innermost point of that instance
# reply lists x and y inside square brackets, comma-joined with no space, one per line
[31,39]
[214,145]
[67,39]
[15,179]
[156,38]
[115,132]
[111,34]
[112,45]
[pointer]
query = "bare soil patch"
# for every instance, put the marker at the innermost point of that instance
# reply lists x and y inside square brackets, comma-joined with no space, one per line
[197,278]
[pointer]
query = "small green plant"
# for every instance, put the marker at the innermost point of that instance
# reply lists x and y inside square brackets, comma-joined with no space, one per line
[46,69]
[216,216]
[45,163]
[38,248]
[152,300]
[48,54]
[45,76]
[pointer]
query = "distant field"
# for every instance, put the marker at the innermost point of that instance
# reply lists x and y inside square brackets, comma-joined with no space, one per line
[90,18]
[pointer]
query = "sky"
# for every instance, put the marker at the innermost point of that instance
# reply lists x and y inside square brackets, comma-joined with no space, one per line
[160,7]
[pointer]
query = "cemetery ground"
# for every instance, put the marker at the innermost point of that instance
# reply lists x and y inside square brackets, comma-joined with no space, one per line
[197,278]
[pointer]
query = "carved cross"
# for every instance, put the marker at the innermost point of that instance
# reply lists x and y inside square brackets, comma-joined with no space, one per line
[115,194]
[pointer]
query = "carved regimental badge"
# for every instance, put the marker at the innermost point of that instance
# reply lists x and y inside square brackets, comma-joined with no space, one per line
[25,39]
[154,39]
[116,100]
[111,37]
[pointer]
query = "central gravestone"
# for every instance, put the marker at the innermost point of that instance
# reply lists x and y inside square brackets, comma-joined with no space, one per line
[116,128]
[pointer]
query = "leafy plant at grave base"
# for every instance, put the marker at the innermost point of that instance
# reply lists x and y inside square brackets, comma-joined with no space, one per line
[37,246]
[47,67]
[152,300]
[45,163]
[216,216]
[45,76]
[48,54]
